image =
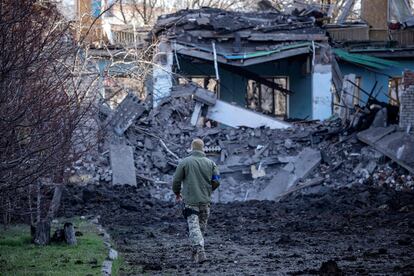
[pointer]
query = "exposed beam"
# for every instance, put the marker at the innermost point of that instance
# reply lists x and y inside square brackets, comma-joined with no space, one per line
[184,50]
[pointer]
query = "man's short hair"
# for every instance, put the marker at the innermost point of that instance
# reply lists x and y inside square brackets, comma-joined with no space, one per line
[197,144]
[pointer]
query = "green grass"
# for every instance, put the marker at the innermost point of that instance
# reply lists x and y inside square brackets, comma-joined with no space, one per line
[19,257]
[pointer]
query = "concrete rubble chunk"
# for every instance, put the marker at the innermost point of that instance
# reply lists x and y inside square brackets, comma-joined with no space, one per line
[107,268]
[397,145]
[113,254]
[196,114]
[159,160]
[128,110]
[380,119]
[122,164]
[307,160]
[257,172]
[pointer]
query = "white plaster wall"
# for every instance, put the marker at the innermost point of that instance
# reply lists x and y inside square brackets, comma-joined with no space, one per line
[162,80]
[235,116]
[321,92]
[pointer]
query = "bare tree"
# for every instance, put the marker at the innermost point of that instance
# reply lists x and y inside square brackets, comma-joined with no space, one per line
[143,12]
[44,106]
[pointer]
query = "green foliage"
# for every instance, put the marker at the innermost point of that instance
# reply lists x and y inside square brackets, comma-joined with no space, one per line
[19,257]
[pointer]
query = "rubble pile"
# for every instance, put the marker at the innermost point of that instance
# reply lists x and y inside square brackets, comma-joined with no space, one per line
[180,24]
[249,159]
[91,168]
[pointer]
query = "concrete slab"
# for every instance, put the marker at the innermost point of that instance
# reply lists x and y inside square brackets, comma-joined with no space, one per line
[397,145]
[196,114]
[236,116]
[376,133]
[122,164]
[128,110]
[307,160]
[278,185]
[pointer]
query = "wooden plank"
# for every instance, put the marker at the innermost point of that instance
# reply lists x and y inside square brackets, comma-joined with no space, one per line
[287,37]
[213,34]
[275,56]
[182,50]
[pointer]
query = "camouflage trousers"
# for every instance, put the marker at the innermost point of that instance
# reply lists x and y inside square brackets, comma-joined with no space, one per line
[197,224]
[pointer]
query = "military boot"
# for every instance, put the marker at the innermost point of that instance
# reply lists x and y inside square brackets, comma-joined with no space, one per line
[194,255]
[201,255]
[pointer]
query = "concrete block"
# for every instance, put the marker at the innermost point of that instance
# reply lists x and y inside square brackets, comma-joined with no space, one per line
[113,254]
[122,164]
[107,268]
[128,110]
[307,160]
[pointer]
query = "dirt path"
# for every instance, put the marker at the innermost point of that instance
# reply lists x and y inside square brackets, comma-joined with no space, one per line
[364,230]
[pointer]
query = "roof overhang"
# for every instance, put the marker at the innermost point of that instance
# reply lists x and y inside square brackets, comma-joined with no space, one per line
[245,59]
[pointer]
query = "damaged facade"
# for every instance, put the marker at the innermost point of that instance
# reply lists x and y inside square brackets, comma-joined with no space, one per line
[269,62]
[375,50]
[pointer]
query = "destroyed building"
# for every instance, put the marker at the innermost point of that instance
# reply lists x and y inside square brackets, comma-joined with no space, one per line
[269,62]
[374,50]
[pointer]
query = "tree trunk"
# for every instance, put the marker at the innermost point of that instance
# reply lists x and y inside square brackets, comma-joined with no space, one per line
[69,231]
[54,205]
[41,233]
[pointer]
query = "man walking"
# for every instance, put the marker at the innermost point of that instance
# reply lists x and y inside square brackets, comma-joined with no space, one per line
[199,176]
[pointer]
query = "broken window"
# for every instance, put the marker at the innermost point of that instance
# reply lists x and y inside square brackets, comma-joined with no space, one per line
[395,88]
[268,100]
[206,82]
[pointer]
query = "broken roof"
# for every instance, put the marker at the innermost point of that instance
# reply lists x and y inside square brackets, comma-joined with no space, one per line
[241,38]
[366,60]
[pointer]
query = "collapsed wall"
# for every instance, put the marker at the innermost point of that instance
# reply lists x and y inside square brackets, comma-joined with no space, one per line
[407,108]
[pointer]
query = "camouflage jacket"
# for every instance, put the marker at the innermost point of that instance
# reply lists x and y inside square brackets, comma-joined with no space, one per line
[196,173]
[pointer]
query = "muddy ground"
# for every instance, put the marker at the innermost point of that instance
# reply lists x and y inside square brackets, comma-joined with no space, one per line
[361,229]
